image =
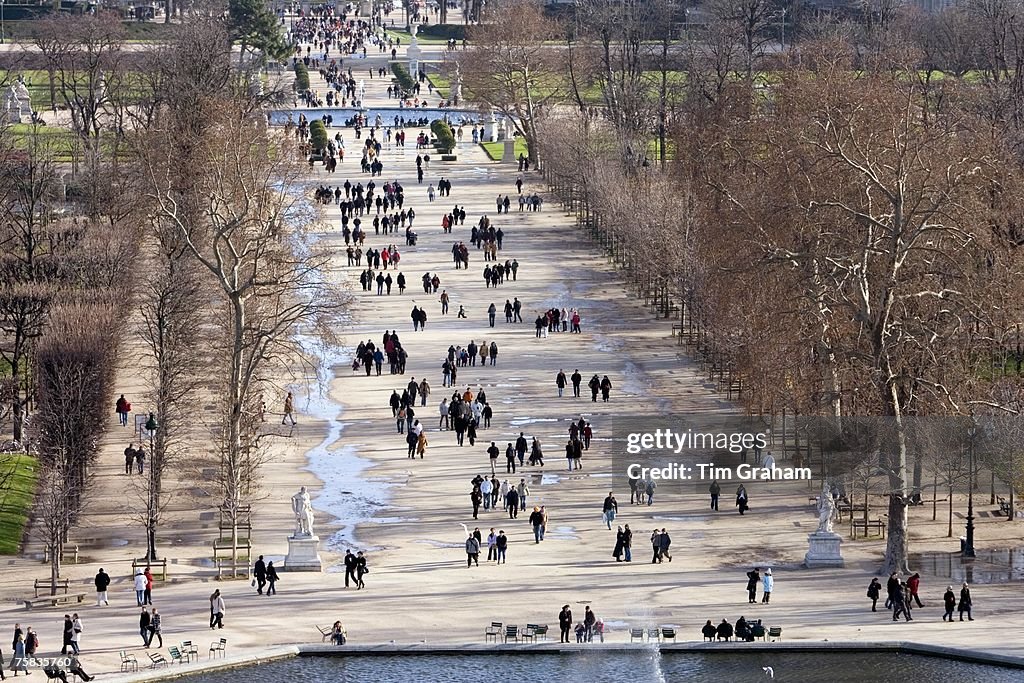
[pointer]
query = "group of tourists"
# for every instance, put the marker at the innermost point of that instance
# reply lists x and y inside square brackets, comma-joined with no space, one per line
[743,630]
[903,595]
[371,357]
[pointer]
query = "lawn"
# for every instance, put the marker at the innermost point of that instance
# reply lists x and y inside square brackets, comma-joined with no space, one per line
[18,481]
[496,149]
[406,38]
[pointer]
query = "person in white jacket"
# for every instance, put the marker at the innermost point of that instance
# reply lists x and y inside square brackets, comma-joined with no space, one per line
[217,610]
[767,582]
[140,587]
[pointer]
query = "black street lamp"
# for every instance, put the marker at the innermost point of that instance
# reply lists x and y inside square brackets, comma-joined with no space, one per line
[969,542]
[151,426]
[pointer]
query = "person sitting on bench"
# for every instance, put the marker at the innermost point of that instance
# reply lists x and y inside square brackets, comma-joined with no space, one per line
[709,630]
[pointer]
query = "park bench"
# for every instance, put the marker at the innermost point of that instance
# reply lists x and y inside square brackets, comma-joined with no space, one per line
[68,550]
[232,569]
[54,600]
[62,584]
[1004,506]
[875,524]
[493,631]
[157,567]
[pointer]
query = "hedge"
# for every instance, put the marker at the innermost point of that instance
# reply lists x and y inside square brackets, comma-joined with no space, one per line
[301,77]
[443,132]
[443,31]
[405,81]
[318,135]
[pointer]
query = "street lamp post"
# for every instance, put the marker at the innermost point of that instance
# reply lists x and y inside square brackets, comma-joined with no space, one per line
[969,542]
[151,427]
[3,31]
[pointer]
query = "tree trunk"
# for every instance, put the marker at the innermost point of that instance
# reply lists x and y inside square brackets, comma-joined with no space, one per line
[949,530]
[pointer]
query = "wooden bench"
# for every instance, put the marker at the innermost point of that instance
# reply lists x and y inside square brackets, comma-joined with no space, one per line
[1004,506]
[69,550]
[142,563]
[54,600]
[62,584]
[876,524]
[244,547]
[232,569]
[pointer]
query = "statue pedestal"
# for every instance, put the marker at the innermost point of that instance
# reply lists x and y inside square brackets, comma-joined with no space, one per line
[303,554]
[508,155]
[824,550]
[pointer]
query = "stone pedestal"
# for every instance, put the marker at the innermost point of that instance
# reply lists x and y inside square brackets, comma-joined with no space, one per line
[823,550]
[303,554]
[508,155]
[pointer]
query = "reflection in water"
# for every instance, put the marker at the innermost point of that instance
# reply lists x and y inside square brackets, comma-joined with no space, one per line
[600,667]
[990,566]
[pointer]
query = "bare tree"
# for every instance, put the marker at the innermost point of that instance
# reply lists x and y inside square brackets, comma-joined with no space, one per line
[237,219]
[509,69]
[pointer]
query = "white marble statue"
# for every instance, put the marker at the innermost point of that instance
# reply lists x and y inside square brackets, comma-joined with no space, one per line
[826,509]
[303,509]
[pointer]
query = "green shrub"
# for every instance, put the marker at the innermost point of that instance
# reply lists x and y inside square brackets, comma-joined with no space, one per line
[444,135]
[405,81]
[301,77]
[318,135]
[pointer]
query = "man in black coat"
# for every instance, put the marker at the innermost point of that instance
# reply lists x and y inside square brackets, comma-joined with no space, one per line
[102,581]
[350,567]
[260,572]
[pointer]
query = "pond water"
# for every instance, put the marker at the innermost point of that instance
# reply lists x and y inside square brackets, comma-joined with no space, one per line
[1001,565]
[643,666]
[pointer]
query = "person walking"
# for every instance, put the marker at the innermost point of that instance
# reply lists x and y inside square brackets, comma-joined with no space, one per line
[259,571]
[914,582]
[949,603]
[617,551]
[147,595]
[560,382]
[144,626]
[656,546]
[129,459]
[715,491]
[217,610]
[272,578]
[350,567]
[665,541]
[156,628]
[610,508]
[289,409]
[472,551]
[536,521]
[20,660]
[767,583]
[874,592]
[102,581]
[361,570]
[753,578]
[501,543]
[965,602]
[76,633]
[140,587]
[627,543]
[576,379]
[69,626]
[565,623]
[476,497]
[524,491]
[123,407]
[512,498]
[741,499]
[492,545]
